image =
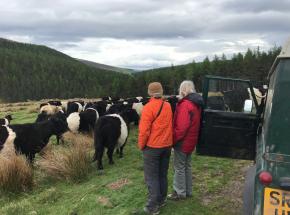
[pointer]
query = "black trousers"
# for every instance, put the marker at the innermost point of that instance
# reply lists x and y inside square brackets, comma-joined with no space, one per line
[156,162]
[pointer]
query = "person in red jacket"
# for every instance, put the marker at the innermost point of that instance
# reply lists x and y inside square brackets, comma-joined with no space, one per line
[186,126]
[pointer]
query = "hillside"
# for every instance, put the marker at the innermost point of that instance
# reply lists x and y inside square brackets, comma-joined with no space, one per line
[107,67]
[34,72]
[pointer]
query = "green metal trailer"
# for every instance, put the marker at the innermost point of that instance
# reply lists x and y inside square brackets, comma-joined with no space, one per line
[261,133]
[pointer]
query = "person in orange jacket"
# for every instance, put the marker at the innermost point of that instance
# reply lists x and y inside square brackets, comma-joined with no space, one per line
[155,140]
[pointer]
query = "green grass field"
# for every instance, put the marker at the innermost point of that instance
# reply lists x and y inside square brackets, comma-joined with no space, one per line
[121,188]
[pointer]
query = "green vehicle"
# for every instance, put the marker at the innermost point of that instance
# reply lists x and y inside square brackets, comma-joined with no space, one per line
[238,123]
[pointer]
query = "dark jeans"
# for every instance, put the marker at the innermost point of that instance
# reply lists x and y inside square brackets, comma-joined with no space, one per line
[156,162]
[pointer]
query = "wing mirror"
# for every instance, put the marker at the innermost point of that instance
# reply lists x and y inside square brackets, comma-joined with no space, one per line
[248,105]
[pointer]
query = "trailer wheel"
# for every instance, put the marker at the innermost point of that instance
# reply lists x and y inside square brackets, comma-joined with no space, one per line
[248,194]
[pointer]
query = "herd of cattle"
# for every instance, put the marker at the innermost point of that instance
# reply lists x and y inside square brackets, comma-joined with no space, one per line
[109,119]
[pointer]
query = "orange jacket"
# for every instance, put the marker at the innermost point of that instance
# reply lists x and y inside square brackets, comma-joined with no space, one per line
[158,134]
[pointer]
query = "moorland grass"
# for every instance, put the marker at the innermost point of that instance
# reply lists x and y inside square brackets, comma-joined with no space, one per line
[16,174]
[211,178]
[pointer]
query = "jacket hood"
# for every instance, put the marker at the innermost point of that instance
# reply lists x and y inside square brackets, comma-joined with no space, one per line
[195,98]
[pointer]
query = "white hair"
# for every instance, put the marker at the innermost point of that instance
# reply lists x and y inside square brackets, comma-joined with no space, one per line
[186,87]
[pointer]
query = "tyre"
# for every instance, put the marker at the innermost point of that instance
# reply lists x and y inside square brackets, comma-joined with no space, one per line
[248,194]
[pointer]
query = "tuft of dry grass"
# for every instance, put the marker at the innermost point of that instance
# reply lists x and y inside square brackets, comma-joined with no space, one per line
[47,149]
[85,140]
[32,109]
[71,163]
[16,174]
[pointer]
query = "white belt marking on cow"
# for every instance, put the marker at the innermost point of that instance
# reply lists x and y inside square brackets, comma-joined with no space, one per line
[108,107]
[8,147]
[97,113]
[6,121]
[80,106]
[73,122]
[124,130]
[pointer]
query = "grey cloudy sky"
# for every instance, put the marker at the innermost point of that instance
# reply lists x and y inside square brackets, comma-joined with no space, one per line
[146,33]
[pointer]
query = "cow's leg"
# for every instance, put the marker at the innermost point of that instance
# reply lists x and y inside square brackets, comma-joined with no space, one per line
[58,137]
[31,157]
[110,155]
[121,150]
[99,155]
[118,150]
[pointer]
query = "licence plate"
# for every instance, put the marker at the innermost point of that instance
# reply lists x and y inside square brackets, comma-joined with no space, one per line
[276,202]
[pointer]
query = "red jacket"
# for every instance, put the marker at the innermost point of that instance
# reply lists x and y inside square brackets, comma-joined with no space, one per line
[187,122]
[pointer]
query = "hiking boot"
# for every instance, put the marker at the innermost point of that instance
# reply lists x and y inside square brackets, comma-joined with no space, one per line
[162,204]
[151,212]
[175,197]
[138,212]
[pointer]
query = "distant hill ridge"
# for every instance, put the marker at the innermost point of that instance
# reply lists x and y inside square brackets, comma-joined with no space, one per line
[107,67]
[36,72]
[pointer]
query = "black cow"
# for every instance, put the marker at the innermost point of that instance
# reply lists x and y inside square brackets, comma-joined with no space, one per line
[55,103]
[216,103]
[30,138]
[74,107]
[84,121]
[107,98]
[111,132]
[100,106]
[172,100]
[43,116]
[6,120]
[235,99]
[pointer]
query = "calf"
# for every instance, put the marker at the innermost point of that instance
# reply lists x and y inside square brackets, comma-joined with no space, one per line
[30,138]
[111,132]
[6,120]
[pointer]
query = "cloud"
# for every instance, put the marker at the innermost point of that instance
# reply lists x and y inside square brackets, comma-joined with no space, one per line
[257,6]
[140,54]
[148,33]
